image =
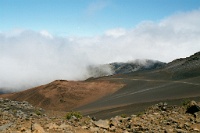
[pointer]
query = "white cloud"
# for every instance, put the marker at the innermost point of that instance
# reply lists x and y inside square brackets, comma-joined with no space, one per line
[46,34]
[182,22]
[31,58]
[115,32]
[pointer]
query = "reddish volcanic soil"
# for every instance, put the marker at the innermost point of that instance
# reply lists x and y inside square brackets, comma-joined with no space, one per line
[62,95]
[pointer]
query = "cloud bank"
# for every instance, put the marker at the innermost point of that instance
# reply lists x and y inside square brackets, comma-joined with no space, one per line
[29,58]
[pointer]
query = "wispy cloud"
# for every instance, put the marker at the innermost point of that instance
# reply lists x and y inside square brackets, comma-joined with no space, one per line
[30,58]
[96,6]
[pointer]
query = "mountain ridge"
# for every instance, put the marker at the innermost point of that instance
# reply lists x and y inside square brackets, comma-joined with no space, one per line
[124,67]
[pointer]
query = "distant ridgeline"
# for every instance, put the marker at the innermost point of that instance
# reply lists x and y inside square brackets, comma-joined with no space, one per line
[137,65]
[124,67]
[179,68]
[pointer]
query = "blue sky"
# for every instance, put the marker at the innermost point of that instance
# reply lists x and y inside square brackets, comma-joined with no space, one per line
[86,17]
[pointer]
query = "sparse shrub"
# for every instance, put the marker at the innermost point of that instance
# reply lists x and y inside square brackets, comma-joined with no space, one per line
[14,111]
[69,115]
[123,115]
[186,102]
[37,112]
[140,113]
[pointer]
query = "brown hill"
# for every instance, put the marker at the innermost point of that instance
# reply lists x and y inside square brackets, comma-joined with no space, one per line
[65,95]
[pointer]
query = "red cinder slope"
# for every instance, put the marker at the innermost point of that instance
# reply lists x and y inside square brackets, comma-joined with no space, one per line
[62,95]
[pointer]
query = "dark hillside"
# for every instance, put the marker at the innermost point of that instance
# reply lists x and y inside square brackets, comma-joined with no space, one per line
[179,79]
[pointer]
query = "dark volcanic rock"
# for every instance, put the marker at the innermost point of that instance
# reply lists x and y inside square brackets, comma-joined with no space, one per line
[193,108]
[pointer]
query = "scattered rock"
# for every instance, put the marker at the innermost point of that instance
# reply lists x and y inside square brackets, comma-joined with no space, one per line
[22,117]
[102,123]
[181,131]
[196,127]
[192,103]
[36,128]
[52,126]
[5,126]
[94,129]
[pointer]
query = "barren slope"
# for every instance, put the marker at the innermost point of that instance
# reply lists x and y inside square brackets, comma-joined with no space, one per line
[65,95]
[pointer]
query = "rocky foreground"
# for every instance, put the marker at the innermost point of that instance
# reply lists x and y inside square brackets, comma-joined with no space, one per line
[22,117]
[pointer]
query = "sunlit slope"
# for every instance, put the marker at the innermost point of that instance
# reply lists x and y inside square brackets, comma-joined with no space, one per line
[62,95]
